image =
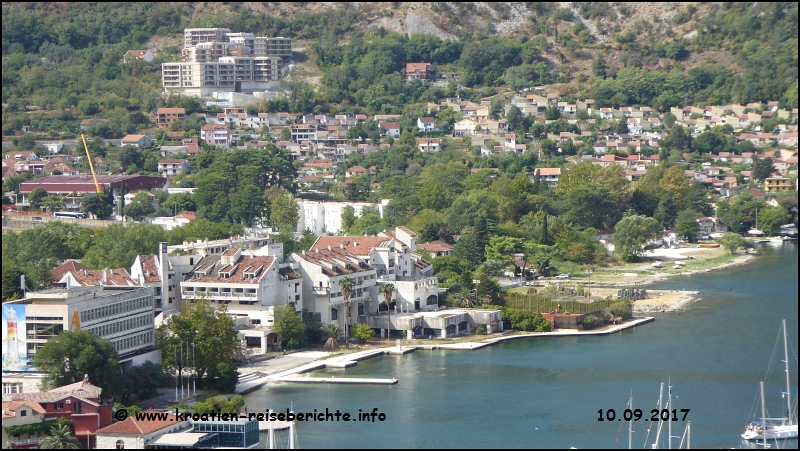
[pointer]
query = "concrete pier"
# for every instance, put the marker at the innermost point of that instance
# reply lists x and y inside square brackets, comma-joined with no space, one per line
[336,380]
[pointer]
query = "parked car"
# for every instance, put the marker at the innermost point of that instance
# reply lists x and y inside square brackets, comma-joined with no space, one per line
[563,276]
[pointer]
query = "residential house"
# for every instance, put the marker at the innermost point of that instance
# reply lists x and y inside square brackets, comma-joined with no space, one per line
[216,134]
[436,248]
[22,413]
[430,145]
[157,271]
[419,71]
[80,402]
[390,129]
[171,167]
[138,141]
[192,146]
[549,176]
[166,116]
[144,55]
[426,124]
[777,184]
[53,148]
[356,171]
[465,127]
[133,433]
[92,122]
[711,224]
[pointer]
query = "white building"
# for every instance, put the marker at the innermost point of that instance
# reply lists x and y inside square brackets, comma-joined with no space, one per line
[122,315]
[390,256]
[250,283]
[326,217]
[156,271]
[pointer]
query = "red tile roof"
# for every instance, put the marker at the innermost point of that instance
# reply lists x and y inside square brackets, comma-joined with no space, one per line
[246,263]
[9,408]
[358,245]
[132,426]
[435,246]
[70,266]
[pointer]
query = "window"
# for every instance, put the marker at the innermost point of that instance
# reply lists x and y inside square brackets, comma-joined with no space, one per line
[120,444]
[59,405]
[23,413]
[334,314]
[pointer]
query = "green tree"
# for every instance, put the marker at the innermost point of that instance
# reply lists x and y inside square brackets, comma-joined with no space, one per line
[223,377]
[675,184]
[592,205]
[289,325]
[348,217]
[53,203]
[219,404]
[206,336]
[141,205]
[96,204]
[286,134]
[770,219]
[363,333]
[732,241]
[247,205]
[60,437]
[117,246]
[762,168]
[67,358]
[666,212]
[284,211]
[36,197]
[346,285]
[688,228]
[631,232]
[387,290]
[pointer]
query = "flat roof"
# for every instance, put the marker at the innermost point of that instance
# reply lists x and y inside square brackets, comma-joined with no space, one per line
[181,438]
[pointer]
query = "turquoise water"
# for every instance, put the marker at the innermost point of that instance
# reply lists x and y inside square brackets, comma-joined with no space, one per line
[545,392]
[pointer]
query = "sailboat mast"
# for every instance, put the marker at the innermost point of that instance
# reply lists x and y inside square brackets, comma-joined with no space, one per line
[669,423]
[763,417]
[630,422]
[689,435]
[786,361]
[660,405]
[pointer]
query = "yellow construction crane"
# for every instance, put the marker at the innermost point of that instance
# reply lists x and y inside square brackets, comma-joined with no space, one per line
[91,165]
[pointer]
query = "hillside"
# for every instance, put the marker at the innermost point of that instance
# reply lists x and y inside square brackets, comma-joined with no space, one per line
[67,56]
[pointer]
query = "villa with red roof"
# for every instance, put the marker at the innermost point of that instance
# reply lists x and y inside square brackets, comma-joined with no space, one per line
[371,261]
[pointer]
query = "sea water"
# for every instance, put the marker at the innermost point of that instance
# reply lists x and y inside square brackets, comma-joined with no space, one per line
[546,392]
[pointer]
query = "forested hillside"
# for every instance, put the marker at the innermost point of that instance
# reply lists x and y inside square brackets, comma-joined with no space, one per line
[66,58]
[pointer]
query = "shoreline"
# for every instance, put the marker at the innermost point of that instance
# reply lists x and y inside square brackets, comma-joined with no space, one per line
[257,379]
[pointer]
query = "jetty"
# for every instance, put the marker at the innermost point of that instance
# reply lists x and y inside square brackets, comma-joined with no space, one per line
[336,380]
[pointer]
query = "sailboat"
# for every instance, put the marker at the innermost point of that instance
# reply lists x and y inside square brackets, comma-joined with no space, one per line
[755,231]
[765,430]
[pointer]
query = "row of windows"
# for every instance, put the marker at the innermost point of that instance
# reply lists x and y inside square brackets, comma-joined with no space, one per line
[116,308]
[135,341]
[122,326]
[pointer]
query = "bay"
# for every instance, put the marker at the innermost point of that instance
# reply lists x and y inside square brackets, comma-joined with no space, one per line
[546,392]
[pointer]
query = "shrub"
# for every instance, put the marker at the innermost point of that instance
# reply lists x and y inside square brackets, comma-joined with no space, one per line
[363,333]
[480,331]
[590,322]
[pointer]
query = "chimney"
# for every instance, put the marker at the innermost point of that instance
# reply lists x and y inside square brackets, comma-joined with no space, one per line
[112,271]
[329,248]
[86,378]
[304,252]
[341,246]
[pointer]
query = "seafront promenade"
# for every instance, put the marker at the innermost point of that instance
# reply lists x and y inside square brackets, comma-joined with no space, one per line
[291,368]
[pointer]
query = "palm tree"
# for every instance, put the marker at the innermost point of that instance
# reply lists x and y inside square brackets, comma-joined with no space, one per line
[60,438]
[331,331]
[387,290]
[346,285]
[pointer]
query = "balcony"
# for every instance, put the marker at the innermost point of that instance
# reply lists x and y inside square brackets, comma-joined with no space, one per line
[321,291]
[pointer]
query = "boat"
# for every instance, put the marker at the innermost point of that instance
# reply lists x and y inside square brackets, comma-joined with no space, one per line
[755,230]
[768,428]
